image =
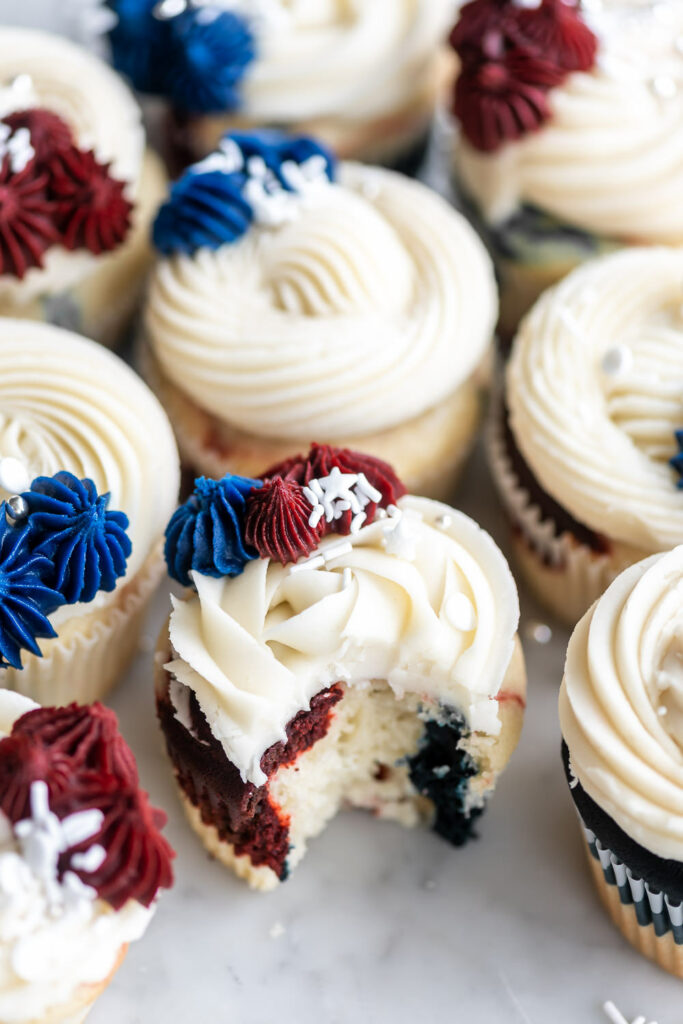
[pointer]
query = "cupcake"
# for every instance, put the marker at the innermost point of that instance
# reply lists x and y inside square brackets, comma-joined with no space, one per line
[294,297]
[363,76]
[621,713]
[345,644]
[77,188]
[584,446]
[82,859]
[571,119]
[88,478]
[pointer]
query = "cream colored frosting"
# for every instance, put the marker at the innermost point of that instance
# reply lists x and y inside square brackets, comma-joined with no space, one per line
[610,159]
[423,599]
[356,59]
[370,307]
[66,403]
[48,949]
[621,703]
[595,393]
[101,111]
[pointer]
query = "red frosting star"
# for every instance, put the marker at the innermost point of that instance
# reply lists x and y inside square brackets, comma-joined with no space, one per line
[93,212]
[27,225]
[277,521]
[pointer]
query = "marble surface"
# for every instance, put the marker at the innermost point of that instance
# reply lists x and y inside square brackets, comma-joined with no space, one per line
[381,924]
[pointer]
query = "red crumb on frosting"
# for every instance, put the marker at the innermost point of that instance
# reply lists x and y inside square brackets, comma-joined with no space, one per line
[277,521]
[27,226]
[92,210]
[506,696]
[85,762]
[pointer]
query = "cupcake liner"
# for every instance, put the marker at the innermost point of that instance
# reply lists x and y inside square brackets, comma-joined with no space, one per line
[645,916]
[88,657]
[565,573]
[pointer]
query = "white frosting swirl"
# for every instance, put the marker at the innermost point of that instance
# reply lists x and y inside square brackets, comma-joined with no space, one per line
[621,703]
[424,601]
[67,403]
[610,159]
[372,306]
[103,116]
[47,953]
[355,58]
[595,392]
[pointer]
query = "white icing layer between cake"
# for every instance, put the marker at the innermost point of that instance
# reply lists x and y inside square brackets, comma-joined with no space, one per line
[68,404]
[104,117]
[424,600]
[369,308]
[595,393]
[621,703]
[610,159]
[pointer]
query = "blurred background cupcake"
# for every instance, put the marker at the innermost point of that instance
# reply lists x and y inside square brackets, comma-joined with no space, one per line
[294,297]
[82,859]
[347,644]
[362,75]
[584,445]
[88,478]
[571,120]
[621,711]
[78,188]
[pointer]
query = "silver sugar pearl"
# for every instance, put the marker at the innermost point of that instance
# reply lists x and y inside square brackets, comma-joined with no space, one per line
[443,522]
[167,9]
[539,632]
[16,510]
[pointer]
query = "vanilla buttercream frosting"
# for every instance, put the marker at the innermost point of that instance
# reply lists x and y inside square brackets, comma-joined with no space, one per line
[51,943]
[421,598]
[610,157]
[621,703]
[68,404]
[374,303]
[102,113]
[595,394]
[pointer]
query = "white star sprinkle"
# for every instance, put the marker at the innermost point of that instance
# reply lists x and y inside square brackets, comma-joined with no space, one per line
[16,145]
[331,496]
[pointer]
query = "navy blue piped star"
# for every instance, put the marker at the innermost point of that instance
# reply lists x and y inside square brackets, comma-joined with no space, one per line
[25,599]
[206,534]
[677,460]
[84,542]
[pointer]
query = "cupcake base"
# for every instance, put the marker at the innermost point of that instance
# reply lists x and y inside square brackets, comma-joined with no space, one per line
[92,651]
[643,918]
[76,1011]
[428,452]
[103,303]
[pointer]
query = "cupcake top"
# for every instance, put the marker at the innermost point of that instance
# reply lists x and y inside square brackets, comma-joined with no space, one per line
[595,395]
[621,703]
[71,147]
[81,856]
[296,296]
[280,61]
[574,109]
[92,452]
[325,571]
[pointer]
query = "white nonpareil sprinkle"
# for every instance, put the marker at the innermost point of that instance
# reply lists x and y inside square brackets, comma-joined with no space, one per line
[228,159]
[664,86]
[617,1017]
[14,476]
[19,94]
[274,205]
[16,145]
[331,496]
[574,781]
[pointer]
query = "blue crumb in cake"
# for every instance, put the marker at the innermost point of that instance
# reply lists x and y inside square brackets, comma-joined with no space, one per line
[441,770]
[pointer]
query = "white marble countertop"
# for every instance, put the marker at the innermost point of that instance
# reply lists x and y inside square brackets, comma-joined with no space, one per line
[380,924]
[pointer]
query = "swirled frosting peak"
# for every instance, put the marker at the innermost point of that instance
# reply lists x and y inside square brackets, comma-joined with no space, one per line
[621,703]
[421,598]
[371,306]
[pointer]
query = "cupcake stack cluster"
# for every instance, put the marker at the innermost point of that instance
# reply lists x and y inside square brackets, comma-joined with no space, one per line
[310,338]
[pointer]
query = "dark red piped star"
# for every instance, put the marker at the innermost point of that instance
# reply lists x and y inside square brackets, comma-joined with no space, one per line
[27,226]
[50,134]
[92,211]
[557,30]
[277,521]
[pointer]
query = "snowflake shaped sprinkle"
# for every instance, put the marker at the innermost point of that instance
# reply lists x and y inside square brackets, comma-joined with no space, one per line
[17,146]
[331,496]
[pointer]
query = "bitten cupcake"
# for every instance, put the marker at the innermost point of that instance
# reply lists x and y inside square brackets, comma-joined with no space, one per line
[584,449]
[621,710]
[572,121]
[346,644]
[77,188]
[82,859]
[363,75]
[89,475]
[297,298]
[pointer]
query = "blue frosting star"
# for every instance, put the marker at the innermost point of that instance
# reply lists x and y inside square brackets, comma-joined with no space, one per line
[86,544]
[208,206]
[196,57]
[25,600]
[207,532]
[677,460]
